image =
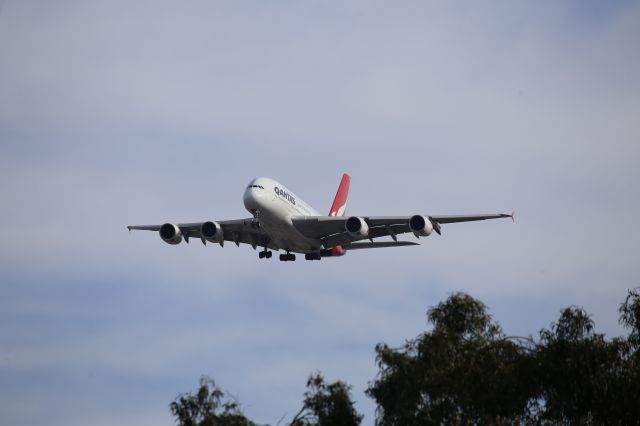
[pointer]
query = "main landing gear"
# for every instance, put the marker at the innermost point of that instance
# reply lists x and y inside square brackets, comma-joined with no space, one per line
[290,257]
[265,254]
[287,257]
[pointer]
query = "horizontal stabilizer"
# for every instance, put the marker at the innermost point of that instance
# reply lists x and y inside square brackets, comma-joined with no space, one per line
[380,244]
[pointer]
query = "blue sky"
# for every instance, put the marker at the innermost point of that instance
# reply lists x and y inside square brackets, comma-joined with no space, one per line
[114,113]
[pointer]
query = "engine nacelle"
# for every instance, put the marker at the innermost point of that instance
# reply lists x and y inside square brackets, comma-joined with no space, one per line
[170,234]
[212,232]
[356,227]
[420,225]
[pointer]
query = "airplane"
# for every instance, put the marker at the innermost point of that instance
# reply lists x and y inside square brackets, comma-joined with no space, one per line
[283,221]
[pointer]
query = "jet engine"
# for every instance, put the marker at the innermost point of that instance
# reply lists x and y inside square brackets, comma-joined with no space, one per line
[356,227]
[170,234]
[420,225]
[212,232]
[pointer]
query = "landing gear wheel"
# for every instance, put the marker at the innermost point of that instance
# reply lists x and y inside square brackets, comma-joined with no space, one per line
[312,256]
[287,257]
[265,254]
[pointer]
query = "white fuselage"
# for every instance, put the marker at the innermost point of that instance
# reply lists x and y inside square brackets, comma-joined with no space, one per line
[274,205]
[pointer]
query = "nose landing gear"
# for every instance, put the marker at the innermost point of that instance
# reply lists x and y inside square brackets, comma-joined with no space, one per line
[255,223]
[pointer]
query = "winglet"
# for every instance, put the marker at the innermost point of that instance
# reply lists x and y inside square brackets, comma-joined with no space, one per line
[513,217]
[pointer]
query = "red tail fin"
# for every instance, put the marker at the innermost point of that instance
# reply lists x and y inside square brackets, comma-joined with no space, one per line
[340,202]
[339,208]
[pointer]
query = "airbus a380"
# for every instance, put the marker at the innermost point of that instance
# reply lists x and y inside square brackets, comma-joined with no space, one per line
[283,221]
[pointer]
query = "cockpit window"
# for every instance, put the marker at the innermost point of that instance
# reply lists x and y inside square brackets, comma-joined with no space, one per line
[256,186]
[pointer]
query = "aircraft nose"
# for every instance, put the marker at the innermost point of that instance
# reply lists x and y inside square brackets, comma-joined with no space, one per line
[252,199]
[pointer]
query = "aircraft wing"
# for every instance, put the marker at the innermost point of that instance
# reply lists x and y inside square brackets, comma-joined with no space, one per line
[332,232]
[236,231]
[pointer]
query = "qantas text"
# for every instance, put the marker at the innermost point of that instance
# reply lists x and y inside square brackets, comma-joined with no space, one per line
[285,195]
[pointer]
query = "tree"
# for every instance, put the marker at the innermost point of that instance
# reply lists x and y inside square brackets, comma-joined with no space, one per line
[630,316]
[585,378]
[628,389]
[208,407]
[463,371]
[466,371]
[326,405]
[573,369]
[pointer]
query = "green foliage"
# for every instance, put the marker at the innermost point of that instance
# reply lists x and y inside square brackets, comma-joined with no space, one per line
[462,317]
[324,405]
[584,378]
[207,407]
[465,370]
[630,315]
[574,325]
[573,368]
[327,405]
